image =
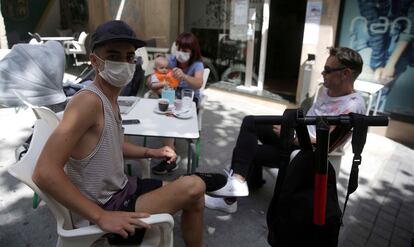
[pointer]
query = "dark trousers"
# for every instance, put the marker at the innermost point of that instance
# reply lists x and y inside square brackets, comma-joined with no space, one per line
[248,155]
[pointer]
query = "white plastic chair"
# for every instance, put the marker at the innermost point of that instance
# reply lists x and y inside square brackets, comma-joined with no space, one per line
[40,112]
[160,234]
[143,53]
[75,47]
[173,48]
[48,115]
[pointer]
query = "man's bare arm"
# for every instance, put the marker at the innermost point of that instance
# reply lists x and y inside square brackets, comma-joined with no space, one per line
[137,152]
[49,175]
[80,115]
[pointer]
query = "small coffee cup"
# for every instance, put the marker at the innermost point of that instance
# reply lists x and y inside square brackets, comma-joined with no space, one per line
[178,104]
[163,105]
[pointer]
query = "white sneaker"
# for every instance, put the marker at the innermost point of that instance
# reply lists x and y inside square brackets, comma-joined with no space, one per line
[218,203]
[233,187]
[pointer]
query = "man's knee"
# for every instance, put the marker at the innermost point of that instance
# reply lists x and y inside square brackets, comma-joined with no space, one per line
[193,187]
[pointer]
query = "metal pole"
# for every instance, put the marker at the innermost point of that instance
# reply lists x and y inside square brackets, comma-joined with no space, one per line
[263,44]
[250,48]
[120,10]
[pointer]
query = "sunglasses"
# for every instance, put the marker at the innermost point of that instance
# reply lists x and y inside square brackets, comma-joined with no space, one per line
[328,70]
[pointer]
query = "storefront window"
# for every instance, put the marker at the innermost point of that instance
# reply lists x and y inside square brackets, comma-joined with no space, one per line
[224,29]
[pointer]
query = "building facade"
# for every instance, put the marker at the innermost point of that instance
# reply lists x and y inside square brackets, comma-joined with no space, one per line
[253,46]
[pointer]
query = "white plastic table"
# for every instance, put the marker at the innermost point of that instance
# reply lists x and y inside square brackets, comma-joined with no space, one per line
[57,38]
[371,89]
[159,125]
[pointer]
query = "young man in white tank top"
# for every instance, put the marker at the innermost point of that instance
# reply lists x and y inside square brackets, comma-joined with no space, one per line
[89,140]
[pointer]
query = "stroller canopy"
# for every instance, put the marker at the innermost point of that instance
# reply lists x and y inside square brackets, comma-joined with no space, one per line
[35,71]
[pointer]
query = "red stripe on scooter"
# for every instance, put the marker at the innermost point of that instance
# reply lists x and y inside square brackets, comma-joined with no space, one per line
[319,198]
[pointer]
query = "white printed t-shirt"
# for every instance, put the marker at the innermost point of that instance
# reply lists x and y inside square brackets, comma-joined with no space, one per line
[331,106]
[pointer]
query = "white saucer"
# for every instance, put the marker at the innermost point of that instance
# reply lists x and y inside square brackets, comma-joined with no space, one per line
[157,110]
[183,114]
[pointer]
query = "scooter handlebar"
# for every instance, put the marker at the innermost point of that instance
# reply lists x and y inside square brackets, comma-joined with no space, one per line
[331,120]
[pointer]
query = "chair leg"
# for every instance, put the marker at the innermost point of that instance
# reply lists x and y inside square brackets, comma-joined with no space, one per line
[336,164]
[35,201]
[76,60]
[145,167]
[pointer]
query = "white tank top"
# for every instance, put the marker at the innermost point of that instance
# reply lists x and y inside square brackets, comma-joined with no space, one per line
[101,173]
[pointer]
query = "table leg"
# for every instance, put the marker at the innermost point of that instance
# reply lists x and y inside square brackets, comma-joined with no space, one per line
[189,157]
[369,103]
[191,160]
[379,94]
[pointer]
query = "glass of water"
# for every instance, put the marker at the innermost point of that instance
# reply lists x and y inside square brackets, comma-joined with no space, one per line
[187,97]
[169,94]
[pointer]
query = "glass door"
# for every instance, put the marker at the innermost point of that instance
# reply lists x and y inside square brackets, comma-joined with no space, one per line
[229,36]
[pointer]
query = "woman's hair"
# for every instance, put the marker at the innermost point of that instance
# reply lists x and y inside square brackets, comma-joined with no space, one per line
[188,40]
[349,58]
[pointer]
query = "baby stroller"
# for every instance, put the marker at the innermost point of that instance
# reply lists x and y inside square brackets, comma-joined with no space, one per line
[36,71]
[31,75]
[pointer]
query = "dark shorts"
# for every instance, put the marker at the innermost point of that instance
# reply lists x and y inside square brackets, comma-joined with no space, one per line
[125,199]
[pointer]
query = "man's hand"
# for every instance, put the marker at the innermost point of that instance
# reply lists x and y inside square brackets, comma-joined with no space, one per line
[122,223]
[164,152]
[276,129]
[384,75]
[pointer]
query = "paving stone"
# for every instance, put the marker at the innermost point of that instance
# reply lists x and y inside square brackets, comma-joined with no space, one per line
[367,214]
[383,232]
[407,208]
[400,241]
[405,221]
[365,224]
[354,240]
[389,210]
[402,233]
[377,240]
[360,232]
[385,224]
[353,244]
[372,205]
[387,217]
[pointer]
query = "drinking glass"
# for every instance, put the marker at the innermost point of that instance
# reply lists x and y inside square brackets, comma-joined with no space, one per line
[187,97]
[169,94]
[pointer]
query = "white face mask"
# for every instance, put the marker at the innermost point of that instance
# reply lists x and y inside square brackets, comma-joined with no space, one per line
[118,74]
[182,56]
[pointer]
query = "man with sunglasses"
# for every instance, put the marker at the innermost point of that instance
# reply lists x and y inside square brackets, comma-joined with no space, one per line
[342,68]
[82,167]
